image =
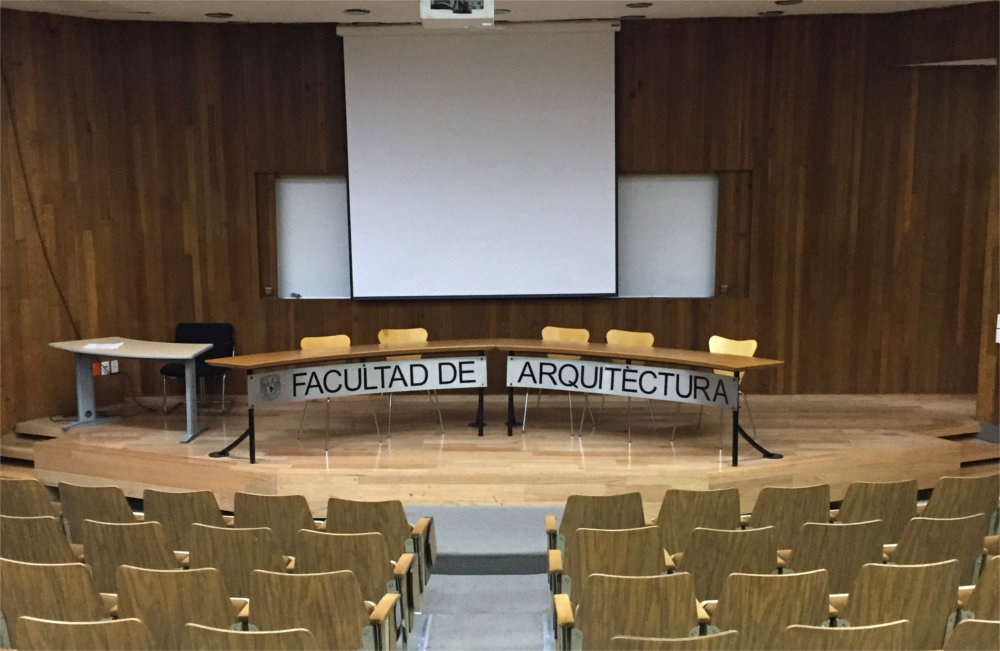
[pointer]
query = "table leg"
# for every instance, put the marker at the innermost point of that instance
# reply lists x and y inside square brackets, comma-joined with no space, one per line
[191,395]
[86,411]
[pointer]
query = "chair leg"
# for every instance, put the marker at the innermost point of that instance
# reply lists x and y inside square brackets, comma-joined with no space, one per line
[326,442]
[222,401]
[649,403]
[524,418]
[388,421]
[164,394]
[302,419]
[435,403]
[378,429]
[628,416]
[570,396]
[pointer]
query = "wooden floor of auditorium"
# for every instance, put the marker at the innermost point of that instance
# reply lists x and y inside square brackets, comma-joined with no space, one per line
[824,439]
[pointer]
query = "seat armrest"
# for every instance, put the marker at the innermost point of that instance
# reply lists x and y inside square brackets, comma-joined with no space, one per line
[703,616]
[110,601]
[77,551]
[833,514]
[838,601]
[562,611]
[382,619]
[887,551]
[992,545]
[401,567]
[241,609]
[551,530]
[964,594]
[289,563]
[228,520]
[183,559]
[668,561]
[425,547]
[782,558]
[555,570]
[920,509]
[402,571]
[709,607]
[745,520]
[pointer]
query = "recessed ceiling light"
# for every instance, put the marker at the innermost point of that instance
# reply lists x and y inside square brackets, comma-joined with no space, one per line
[497,10]
[356,12]
[770,13]
[632,17]
[639,5]
[218,14]
[787,2]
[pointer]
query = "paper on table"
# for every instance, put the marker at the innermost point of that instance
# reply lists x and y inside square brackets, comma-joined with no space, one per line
[109,346]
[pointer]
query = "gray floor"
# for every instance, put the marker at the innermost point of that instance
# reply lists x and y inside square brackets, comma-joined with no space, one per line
[489,590]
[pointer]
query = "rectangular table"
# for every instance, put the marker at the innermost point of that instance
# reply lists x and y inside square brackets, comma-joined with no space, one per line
[88,351]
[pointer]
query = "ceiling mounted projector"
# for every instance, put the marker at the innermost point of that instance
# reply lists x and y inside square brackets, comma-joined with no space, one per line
[451,14]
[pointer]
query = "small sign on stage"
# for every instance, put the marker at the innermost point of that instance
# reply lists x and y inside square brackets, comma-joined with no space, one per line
[653,382]
[308,383]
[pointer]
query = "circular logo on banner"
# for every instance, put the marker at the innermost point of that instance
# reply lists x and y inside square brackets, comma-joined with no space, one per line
[270,388]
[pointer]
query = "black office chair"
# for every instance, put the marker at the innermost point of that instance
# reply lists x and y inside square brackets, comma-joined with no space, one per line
[223,339]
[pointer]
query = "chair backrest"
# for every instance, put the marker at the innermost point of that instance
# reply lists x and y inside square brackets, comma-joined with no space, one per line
[177,511]
[654,606]
[110,635]
[100,503]
[283,514]
[622,552]
[726,346]
[365,554]
[325,341]
[891,636]
[222,336]
[106,545]
[34,540]
[760,606]
[329,604]
[387,517]
[929,540]
[954,497]
[630,338]
[839,548]
[713,554]
[556,333]
[235,553]
[64,592]
[167,599]
[923,594]
[623,511]
[787,508]
[26,497]
[724,641]
[402,336]
[974,635]
[682,511]
[205,638]
[984,602]
[894,503]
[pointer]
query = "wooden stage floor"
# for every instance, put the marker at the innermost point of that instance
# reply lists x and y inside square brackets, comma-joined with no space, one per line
[824,439]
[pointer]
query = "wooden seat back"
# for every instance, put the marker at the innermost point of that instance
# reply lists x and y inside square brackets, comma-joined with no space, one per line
[37,539]
[26,497]
[285,515]
[713,554]
[110,635]
[682,511]
[894,503]
[100,503]
[196,637]
[178,510]
[787,508]
[235,553]
[623,511]
[891,636]
[623,552]
[841,549]
[929,540]
[106,545]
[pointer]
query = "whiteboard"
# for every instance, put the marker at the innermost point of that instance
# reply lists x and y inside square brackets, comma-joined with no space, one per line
[666,235]
[312,237]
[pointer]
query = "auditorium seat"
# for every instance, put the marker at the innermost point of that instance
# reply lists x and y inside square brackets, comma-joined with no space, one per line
[623,552]
[622,511]
[893,502]
[713,554]
[923,594]
[406,336]
[112,635]
[760,606]
[35,540]
[725,641]
[367,556]
[64,592]
[634,340]
[235,553]
[841,549]
[329,604]
[891,636]
[955,497]
[682,511]
[787,508]
[282,514]
[205,638]
[653,606]
[167,599]
[178,510]
[100,503]
[387,517]
[558,334]
[26,498]
[982,601]
[974,635]
[929,540]
[106,545]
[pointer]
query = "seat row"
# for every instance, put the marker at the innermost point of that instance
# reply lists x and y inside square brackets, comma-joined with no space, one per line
[329,605]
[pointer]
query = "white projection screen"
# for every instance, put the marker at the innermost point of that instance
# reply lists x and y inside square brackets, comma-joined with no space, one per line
[481,163]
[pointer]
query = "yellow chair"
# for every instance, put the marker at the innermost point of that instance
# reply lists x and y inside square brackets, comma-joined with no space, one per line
[724,346]
[407,336]
[319,343]
[635,340]
[558,334]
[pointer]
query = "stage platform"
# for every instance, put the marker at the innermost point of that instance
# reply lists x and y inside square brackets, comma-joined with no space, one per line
[824,439]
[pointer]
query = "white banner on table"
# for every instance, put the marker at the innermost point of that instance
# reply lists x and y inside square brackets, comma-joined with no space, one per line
[308,383]
[607,378]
